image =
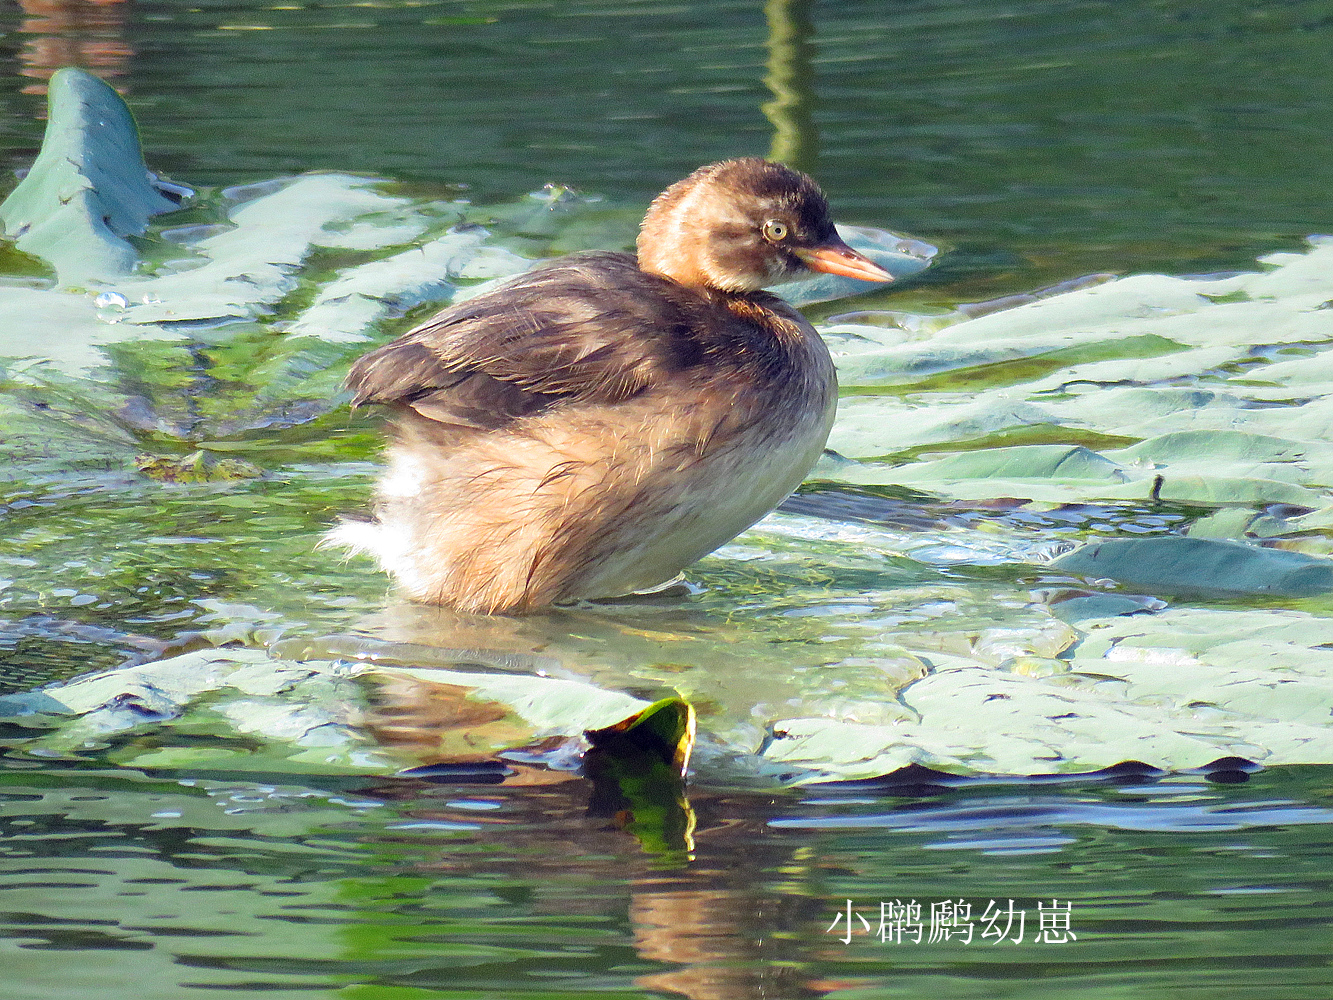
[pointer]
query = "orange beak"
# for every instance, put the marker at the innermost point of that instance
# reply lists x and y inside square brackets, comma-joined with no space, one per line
[836,257]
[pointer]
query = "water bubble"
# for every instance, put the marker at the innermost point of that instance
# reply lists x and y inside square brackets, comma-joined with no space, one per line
[111,300]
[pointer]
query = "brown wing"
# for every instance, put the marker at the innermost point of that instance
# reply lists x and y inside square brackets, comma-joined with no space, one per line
[591,326]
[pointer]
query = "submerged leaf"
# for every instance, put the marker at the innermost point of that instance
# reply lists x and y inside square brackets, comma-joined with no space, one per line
[196,467]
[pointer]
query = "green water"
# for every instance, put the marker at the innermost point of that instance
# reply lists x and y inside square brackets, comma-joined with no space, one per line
[121,885]
[1042,141]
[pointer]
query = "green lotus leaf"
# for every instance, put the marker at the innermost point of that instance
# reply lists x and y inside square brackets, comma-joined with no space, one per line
[551,706]
[1181,564]
[347,308]
[1215,490]
[1077,609]
[665,730]
[1229,522]
[249,267]
[1310,372]
[1217,446]
[872,426]
[1054,462]
[89,187]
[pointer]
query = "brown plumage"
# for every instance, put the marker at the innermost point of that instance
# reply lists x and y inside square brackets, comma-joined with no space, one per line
[591,427]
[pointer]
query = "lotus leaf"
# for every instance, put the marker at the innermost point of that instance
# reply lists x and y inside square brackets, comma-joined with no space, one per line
[1058,462]
[934,625]
[1215,445]
[89,187]
[348,308]
[1179,564]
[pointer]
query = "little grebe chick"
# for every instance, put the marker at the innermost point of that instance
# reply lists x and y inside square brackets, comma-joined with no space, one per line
[595,425]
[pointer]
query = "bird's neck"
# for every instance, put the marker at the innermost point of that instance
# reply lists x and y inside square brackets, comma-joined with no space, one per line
[672,250]
[673,241]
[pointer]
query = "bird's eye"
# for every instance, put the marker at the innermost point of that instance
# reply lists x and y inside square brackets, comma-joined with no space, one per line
[775,231]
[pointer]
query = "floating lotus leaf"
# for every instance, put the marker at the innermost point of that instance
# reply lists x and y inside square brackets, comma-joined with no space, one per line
[1059,462]
[1176,564]
[249,267]
[309,711]
[665,729]
[902,256]
[551,706]
[637,768]
[347,309]
[1216,490]
[871,426]
[999,701]
[1218,445]
[1229,522]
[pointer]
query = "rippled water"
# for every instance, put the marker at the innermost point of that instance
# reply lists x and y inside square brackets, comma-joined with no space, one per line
[518,881]
[119,884]
[1045,141]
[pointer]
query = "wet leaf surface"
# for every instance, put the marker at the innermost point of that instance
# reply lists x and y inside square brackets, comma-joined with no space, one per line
[89,188]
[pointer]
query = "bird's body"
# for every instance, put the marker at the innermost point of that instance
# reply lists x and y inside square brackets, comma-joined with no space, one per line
[593,426]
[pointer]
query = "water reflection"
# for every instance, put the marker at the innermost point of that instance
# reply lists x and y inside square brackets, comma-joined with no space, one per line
[215,884]
[740,671]
[726,939]
[790,77]
[715,928]
[85,33]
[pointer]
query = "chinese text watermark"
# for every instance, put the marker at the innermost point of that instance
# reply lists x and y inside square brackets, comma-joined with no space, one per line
[911,922]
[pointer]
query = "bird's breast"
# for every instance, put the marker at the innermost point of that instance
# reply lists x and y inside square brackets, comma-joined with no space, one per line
[719,460]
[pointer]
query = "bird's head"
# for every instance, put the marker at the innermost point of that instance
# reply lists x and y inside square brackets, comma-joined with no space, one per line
[742,225]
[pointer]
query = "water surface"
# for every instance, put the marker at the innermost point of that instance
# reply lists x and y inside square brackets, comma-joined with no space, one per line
[1045,139]
[1042,140]
[124,884]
